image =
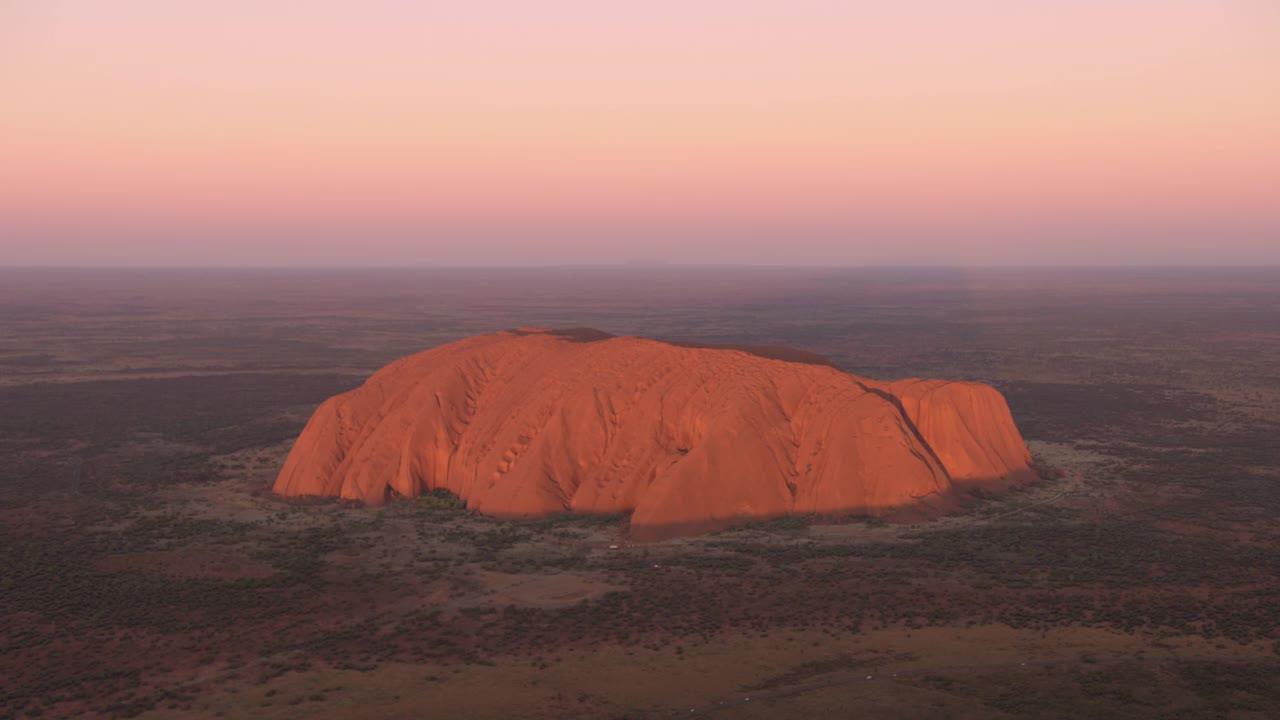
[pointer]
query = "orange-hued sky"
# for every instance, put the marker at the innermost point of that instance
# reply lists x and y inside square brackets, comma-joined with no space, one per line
[243,132]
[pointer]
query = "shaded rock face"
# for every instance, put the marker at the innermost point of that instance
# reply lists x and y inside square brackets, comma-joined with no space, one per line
[686,438]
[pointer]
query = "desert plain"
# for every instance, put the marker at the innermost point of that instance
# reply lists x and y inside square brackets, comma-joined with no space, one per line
[147,570]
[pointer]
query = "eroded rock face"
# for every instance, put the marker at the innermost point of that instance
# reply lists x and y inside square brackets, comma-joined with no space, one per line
[688,439]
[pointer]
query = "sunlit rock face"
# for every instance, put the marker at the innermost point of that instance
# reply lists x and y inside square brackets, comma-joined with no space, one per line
[686,438]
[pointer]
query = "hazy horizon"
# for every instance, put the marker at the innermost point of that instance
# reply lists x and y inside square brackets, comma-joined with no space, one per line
[653,266]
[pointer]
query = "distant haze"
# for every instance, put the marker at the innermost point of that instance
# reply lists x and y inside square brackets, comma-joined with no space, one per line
[810,132]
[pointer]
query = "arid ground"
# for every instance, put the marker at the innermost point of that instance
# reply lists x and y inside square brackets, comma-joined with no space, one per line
[146,570]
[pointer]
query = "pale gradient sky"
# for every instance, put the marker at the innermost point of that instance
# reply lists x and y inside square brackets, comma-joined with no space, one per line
[156,132]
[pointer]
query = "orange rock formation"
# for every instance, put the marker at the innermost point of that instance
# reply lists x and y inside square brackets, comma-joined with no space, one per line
[687,439]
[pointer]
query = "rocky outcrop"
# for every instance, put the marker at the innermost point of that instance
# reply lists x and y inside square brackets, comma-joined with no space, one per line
[685,438]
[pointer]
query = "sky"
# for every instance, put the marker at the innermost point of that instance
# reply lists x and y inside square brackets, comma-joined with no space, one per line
[796,132]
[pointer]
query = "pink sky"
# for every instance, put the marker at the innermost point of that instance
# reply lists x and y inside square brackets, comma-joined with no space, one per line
[154,132]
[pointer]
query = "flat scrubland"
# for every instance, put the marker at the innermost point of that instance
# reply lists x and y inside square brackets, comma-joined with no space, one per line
[146,570]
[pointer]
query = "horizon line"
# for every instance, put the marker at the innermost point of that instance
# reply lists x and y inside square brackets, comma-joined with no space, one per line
[667,266]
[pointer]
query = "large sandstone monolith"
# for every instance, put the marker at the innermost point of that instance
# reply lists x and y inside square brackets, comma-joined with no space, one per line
[686,438]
